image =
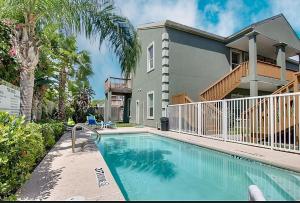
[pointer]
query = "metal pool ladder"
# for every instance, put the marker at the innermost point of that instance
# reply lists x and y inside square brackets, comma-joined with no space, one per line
[84,126]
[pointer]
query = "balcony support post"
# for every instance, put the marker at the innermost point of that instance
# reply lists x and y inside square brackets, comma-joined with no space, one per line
[280,60]
[253,63]
[107,116]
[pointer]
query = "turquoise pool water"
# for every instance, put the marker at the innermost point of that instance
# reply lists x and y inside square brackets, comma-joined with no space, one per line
[151,167]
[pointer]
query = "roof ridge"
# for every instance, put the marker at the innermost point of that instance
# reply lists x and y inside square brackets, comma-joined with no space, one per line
[188,28]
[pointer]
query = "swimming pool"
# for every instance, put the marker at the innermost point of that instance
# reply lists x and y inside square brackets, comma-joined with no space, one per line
[152,167]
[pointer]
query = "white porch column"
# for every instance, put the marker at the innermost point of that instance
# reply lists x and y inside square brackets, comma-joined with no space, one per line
[253,64]
[281,60]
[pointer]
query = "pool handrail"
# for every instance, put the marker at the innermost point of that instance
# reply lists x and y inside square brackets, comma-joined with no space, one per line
[84,126]
[255,193]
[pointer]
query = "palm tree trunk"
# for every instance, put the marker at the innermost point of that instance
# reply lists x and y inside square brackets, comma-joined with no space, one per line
[62,94]
[34,110]
[26,93]
[39,111]
[27,53]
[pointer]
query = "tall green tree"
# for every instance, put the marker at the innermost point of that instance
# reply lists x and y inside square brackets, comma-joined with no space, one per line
[72,63]
[95,18]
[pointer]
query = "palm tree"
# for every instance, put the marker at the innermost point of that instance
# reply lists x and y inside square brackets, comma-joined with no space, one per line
[81,103]
[93,17]
[72,63]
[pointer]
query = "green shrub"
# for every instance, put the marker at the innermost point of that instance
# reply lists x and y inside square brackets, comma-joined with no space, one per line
[58,129]
[21,147]
[48,135]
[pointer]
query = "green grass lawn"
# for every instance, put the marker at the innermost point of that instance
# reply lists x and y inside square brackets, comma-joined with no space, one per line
[122,125]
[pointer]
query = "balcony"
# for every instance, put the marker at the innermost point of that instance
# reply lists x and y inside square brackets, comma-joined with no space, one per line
[272,71]
[118,85]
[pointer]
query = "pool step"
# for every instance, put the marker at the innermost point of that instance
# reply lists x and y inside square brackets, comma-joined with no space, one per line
[288,184]
[265,185]
[297,179]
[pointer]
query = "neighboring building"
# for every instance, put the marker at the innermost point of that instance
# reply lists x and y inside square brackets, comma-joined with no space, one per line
[180,60]
[117,99]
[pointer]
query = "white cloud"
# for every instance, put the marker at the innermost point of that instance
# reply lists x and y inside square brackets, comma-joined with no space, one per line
[145,11]
[228,17]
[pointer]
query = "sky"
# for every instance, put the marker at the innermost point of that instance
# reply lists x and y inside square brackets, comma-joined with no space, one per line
[222,17]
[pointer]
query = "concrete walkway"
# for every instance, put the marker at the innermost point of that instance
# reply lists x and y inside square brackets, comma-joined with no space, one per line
[65,175]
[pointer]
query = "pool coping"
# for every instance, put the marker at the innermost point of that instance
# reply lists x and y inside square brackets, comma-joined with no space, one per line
[262,155]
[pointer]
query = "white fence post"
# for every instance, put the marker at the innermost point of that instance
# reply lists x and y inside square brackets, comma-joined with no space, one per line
[272,121]
[179,118]
[224,119]
[199,119]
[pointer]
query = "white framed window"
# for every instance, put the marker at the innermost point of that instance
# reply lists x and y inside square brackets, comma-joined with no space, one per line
[150,105]
[150,57]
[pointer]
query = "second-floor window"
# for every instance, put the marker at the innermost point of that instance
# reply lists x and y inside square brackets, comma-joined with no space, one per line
[150,57]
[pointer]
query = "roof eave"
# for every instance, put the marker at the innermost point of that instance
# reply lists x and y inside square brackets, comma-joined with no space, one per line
[181,27]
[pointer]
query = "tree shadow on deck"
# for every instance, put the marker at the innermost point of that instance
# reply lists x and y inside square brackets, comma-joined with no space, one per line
[42,180]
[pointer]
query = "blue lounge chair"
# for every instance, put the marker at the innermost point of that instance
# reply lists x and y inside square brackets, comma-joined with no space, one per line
[91,121]
[109,124]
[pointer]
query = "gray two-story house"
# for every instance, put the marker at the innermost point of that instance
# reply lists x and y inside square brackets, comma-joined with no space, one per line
[179,60]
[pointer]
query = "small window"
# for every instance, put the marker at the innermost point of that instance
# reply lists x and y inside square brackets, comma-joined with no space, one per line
[150,105]
[150,57]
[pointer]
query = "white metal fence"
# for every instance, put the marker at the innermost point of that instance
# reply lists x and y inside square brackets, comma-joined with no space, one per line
[267,121]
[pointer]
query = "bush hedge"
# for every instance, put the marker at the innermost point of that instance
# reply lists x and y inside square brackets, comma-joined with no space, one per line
[22,146]
[48,135]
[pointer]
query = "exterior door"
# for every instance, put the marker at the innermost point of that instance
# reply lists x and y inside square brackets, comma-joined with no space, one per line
[137,112]
[236,58]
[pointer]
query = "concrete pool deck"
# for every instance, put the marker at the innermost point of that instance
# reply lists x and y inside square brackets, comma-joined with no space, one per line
[63,174]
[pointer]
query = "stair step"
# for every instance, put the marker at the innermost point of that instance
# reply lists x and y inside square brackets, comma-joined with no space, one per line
[269,190]
[288,184]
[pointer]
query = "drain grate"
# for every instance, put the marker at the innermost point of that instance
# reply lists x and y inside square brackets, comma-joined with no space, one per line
[101,179]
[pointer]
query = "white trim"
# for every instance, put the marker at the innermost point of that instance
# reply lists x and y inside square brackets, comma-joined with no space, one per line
[165,70]
[165,44]
[165,79]
[165,62]
[165,53]
[165,36]
[236,51]
[148,116]
[148,61]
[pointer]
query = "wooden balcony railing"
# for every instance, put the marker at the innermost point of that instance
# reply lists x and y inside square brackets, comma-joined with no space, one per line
[230,81]
[117,84]
[272,71]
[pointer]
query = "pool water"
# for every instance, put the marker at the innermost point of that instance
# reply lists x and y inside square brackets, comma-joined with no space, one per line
[151,167]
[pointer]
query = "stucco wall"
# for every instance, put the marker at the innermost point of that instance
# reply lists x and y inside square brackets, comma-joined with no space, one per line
[279,30]
[195,63]
[148,81]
